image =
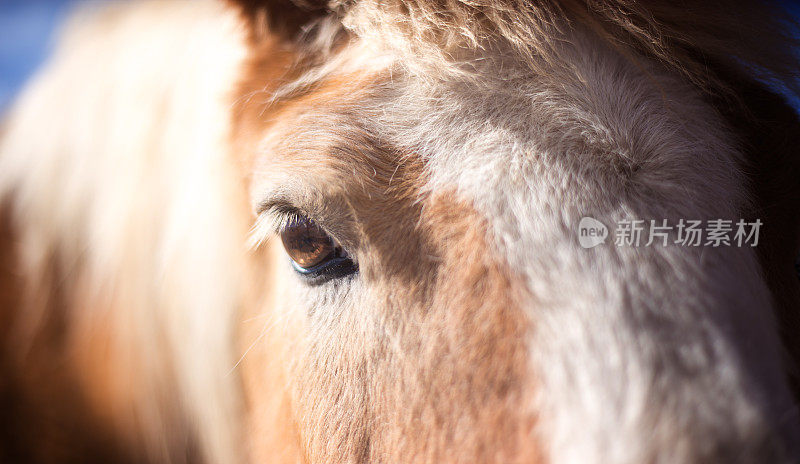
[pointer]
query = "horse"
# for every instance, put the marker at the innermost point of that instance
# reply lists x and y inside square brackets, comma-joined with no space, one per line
[296,231]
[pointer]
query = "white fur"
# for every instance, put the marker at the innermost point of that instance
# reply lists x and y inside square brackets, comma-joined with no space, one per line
[659,354]
[656,354]
[649,354]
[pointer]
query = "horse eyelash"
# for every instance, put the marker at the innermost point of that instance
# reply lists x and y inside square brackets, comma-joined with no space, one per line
[273,217]
[271,221]
[282,216]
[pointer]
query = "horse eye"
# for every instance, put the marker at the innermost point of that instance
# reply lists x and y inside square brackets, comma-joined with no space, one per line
[313,252]
[305,242]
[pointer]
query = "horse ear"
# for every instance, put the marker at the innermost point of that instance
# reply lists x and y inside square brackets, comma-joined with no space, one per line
[284,17]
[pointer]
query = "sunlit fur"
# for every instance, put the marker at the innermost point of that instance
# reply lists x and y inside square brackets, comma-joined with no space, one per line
[451,148]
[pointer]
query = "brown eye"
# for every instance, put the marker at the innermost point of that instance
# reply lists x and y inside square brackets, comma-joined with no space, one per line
[306,243]
[315,255]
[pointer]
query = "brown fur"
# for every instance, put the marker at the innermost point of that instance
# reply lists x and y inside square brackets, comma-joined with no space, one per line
[451,385]
[65,384]
[710,43]
[47,416]
[684,41]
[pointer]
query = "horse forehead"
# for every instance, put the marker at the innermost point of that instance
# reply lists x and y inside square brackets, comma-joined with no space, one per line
[510,143]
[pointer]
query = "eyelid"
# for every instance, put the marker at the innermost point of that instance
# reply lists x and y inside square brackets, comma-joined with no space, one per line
[331,211]
[278,209]
[276,202]
[270,221]
[280,215]
[273,217]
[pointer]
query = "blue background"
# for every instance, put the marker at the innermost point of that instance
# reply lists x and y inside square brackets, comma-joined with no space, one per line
[26,30]
[26,34]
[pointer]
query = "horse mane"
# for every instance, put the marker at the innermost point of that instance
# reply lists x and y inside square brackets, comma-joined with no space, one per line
[705,41]
[115,347]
